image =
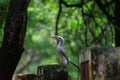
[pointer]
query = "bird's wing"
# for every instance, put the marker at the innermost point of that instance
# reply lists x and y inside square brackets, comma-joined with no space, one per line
[62,51]
[68,59]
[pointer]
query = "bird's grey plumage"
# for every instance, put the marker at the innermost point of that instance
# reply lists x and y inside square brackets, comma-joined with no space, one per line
[60,51]
[62,54]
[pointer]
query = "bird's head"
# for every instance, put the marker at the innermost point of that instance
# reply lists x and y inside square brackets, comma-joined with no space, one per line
[59,39]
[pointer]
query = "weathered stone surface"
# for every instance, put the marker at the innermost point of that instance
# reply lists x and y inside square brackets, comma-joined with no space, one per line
[104,63]
[24,77]
[52,72]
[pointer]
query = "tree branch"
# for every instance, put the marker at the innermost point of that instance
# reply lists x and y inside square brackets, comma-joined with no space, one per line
[71,5]
[102,7]
[58,17]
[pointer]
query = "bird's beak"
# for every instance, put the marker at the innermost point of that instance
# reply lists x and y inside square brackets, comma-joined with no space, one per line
[54,37]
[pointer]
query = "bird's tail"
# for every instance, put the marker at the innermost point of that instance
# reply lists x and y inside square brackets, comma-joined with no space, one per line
[74,64]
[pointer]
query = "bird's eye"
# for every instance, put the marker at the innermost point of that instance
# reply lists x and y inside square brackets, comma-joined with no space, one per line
[59,38]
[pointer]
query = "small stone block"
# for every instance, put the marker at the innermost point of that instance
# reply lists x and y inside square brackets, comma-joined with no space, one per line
[52,72]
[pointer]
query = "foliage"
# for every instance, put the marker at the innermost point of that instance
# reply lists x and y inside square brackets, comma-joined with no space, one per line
[82,26]
[3,14]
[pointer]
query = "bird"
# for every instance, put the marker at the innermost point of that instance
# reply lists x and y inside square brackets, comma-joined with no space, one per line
[63,58]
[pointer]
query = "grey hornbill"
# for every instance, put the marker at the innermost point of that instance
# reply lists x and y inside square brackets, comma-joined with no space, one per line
[64,59]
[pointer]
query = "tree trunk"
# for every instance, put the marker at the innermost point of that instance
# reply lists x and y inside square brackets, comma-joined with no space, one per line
[117,20]
[14,34]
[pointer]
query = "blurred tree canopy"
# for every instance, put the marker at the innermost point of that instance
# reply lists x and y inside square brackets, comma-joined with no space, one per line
[83,23]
